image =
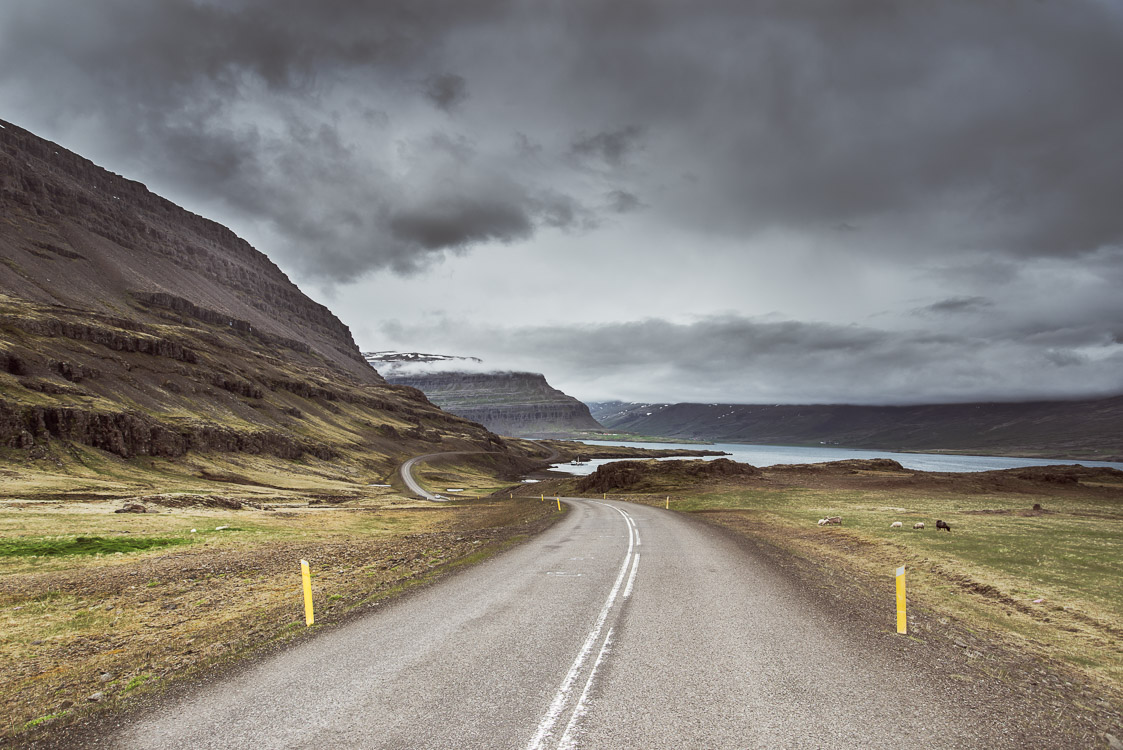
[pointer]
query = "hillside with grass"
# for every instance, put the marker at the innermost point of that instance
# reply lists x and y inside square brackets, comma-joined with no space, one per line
[136,328]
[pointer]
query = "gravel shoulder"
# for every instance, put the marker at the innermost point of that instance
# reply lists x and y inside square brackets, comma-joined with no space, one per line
[1028,701]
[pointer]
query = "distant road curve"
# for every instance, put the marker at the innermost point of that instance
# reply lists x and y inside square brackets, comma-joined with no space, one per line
[415,487]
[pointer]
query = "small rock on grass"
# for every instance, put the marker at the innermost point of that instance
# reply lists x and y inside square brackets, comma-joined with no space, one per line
[97,697]
[1113,742]
[107,677]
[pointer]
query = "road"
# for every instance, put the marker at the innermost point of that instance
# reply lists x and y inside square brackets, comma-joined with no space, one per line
[414,486]
[623,626]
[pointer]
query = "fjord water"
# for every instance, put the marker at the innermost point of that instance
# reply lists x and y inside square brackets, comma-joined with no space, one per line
[770,455]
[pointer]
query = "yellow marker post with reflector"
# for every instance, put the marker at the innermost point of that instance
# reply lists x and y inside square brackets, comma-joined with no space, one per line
[307,576]
[559,502]
[902,623]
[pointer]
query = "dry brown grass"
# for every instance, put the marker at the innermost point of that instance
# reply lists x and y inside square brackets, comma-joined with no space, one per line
[72,626]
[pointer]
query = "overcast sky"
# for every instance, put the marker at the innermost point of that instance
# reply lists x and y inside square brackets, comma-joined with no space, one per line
[835,201]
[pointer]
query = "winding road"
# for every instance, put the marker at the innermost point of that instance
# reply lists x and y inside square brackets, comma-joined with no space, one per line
[622,626]
[415,487]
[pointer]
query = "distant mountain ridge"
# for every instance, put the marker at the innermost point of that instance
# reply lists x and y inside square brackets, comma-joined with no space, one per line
[1089,429]
[520,404]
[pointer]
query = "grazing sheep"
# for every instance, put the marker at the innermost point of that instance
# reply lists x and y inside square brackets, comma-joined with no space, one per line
[822,522]
[896,525]
[834,521]
[918,525]
[943,525]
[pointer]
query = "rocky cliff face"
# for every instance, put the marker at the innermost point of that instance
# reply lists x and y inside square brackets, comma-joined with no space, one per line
[508,403]
[1071,429]
[82,237]
[132,326]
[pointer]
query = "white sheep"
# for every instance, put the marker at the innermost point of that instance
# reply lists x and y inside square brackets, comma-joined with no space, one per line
[896,525]
[822,522]
[918,525]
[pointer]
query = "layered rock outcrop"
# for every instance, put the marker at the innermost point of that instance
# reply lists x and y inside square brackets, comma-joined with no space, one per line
[509,403]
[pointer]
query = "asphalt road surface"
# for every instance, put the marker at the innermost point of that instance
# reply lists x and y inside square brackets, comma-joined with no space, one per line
[407,476]
[623,626]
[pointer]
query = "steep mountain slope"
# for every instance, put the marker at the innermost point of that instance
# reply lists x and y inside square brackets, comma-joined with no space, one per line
[509,403]
[131,325]
[1075,429]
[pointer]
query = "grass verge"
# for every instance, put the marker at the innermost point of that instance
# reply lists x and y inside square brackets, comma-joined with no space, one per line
[98,608]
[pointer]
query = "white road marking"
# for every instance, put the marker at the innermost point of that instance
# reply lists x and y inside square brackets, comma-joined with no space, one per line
[561,698]
[567,741]
[632,577]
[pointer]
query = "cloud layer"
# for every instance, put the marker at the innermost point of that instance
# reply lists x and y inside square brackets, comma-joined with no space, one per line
[936,180]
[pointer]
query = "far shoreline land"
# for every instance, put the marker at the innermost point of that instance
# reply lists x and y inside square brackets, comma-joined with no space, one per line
[1106,456]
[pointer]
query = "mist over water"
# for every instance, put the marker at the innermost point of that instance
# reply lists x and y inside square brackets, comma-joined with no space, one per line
[772,455]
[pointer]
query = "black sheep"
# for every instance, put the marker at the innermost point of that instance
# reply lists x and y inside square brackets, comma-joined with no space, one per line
[943,525]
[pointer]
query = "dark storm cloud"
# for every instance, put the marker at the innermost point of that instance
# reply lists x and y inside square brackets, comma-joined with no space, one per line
[612,147]
[623,202]
[461,221]
[976,127]
[965,128]
[957,305]
[446,91]
[232,103]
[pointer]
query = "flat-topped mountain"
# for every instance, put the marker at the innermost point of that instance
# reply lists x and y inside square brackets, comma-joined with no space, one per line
[1091,429]
[134,326]
[508,403]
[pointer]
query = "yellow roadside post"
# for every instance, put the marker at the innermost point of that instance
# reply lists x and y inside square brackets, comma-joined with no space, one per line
[668,502]
[559,502]
[543,497]
[307,576]
[902,624]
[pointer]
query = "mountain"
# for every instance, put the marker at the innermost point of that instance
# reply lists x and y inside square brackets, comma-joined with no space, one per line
[131,325]
[508,403]
[1091,429]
